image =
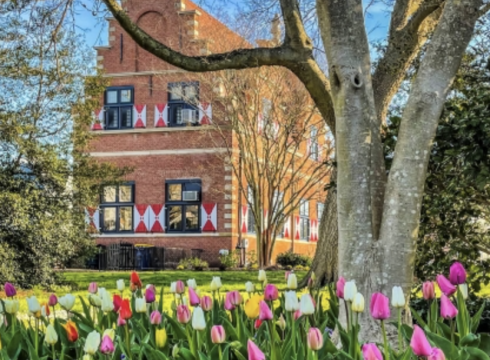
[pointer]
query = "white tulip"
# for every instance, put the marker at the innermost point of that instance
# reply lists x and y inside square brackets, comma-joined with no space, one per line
[306,305]
[107,304]
[11,306]
[173,287]
[120,285]
[397,297]
[67,302]
[350,290]
[185,300]
[292,303]
[249,287]
[101,292]
[192,283]
[51,336]
[34,306]
[262,276]
[292,281]
[95,300]
[198,321]
[140,305]
[464,290]
[358,303]
[92,343]
[216,283]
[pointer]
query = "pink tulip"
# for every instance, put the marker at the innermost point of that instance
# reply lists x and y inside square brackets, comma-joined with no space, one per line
[183,314]
[264,312]
[150,295]
[155,318]
[228,304]
[107,346]
[92,288]
[340,288]
[448,310]
[380,307]
[436,354]
[193,297]
[254,352]
[457,274]
[53,300]
[120,321]
[419,343]
[315,339]
[270,292]
[297,314]
[179,287]
[286,275]
[206,303]
[9,289]
[235,297]
[310,283]
[371,352]
[428,290]
[445,285]
[218,335]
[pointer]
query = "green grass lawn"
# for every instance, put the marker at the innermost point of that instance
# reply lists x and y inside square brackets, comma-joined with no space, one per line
[77,283]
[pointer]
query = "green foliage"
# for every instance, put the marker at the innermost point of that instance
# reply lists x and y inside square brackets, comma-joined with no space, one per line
[193,264]
[290,259]
[230,260]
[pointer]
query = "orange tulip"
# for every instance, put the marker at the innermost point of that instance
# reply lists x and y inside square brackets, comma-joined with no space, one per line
[135,280]
[45,310]
[125,310]
[71,331]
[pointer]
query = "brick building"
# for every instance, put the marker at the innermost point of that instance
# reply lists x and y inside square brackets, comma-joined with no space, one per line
[156,120]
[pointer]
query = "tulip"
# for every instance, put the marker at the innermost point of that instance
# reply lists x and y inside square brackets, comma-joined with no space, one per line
[419,343]
[262,276]
[379,307]
[191,283]
[87,357]
[183,314]
[135,280]
[371,352]
[340,287]
[445,285]
[71,331]
[448,310]
[235,297]
[92,288]
[120,285]
[155,318]
[193,297]
[358,303]
[107,304]
[463,288]
[120,321]
[254,352]
[160,338]
[125,310]
[34,306]
[45,310]
[251,307]
[51,336]
[67,302]
[92,343]
[265,312]
[292,303]
[297,314]
[179,287]
[198,320]
[53,300]
[218,335]
[95,300]
[140,305]
[11,306]
[350,290]
[9,289]
[149,295]
[428,290]
[315,339]
[228,305]
[257,324]
[306,305]
[109,332]
[271,293]
[286,275]
[436,354]
[292,281]
[206,303]
[310,282]
[457,274]
[185,300]
[116,300]
[249,287]
[281,322]
[173,287]
[216,283]
[397,297]
[107,346]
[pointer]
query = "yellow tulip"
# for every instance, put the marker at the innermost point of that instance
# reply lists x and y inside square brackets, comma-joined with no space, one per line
[252,306]
[160,338]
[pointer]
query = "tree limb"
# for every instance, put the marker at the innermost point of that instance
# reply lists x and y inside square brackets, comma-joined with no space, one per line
[296,35]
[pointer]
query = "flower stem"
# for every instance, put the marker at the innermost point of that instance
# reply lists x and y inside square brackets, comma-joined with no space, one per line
[128,343]
[347,314]
[400,342]
[385,341]
[36,336]
[54,352]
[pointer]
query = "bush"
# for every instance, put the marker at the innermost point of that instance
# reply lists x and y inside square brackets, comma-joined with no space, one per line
[229,260]
[290,259]
[193,264]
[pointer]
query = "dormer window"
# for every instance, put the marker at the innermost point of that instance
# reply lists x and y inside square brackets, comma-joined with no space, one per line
[118,103]
[183,100]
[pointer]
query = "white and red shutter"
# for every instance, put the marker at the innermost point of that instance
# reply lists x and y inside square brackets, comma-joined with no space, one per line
[260,124]
[209,217]
[205,114]
[139,116]
[244,218]
[161,115]
[287,228]
[313,230]
[141,218]
[98,122]
[296,228]
[92,218]
[157,218]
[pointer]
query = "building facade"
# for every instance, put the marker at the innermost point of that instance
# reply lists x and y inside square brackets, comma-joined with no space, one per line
[158,120]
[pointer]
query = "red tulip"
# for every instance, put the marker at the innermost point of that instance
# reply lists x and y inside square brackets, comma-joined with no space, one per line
[125,310]
[315,339]
[117,301]
[257,324]
[448,310]
[380,307]
[206,303]
[428,290]
[264,312]
[183,314]
[135,280]
[270,292]
[419,343]
[445,285]
[371,352]
[71,331]
[254,353]
[457,274]
[340,287]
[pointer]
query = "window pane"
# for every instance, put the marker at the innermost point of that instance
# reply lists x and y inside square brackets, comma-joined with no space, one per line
[192,217]
[111,96]
[251,222]
[177,114]
[125,218]
[176,92]
[126,117]
[109,194]
[175,217]
[174,192]
[112,115]
[125,193]
[126,96]
[109,214]
[191,93]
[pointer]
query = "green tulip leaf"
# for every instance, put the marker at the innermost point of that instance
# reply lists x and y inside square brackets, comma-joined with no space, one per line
[485,343]
[476,354]
[13,347]
[462,318]
[470,340]
[418,318]
[445,345]
[176,328]
[475,320]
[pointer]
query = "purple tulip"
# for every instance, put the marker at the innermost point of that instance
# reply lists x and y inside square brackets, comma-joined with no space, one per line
[9,289]
[53,300]
[149,295]
[457,274]
[271,293]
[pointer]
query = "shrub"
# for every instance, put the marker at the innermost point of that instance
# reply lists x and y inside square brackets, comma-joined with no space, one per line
[229,259]
[193,264]
[291,259]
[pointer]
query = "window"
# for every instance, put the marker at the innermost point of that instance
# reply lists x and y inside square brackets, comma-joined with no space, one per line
[314,143]
[118,104]
[319,210]
[304,220]
[116,208]
[183,99]
[183,203]
[250,215]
